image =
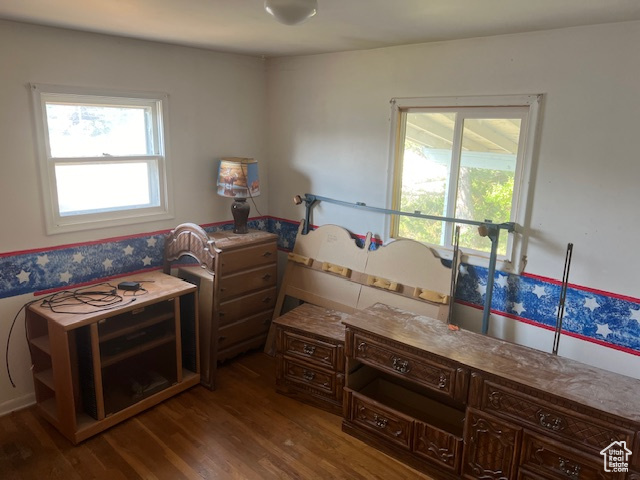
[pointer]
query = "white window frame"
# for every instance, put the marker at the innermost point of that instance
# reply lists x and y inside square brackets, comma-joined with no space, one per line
[161,173]
[515,259]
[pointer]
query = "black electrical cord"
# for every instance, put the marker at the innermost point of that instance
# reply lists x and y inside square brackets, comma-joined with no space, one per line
[100,299]
[6,351]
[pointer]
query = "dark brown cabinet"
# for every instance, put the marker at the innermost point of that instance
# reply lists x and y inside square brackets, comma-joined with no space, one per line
[491,447]
[461,405]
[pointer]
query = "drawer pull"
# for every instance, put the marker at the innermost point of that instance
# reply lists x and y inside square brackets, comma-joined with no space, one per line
[308,376]
[570,469]
[266,276]
[551,421]
[380,422]
[362,346]
[266,254]
[400,365]
[308,349]
[266,299]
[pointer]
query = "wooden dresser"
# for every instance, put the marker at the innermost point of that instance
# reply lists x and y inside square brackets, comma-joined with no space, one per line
[237,283]
[461,405]
[310,356]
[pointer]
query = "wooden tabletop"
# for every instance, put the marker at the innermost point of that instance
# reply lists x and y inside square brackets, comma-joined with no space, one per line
[156,286]
[313,319]
[228,240]
[590,386]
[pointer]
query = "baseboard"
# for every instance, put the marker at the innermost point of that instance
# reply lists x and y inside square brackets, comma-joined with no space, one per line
[17,404]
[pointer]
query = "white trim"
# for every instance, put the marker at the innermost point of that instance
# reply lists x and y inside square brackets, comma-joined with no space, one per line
[522,176]
[157,102]
[17,404]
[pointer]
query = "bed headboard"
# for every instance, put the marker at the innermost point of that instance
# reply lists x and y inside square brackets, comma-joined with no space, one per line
[327,268]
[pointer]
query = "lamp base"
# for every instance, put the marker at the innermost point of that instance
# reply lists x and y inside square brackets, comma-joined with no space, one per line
[240,211]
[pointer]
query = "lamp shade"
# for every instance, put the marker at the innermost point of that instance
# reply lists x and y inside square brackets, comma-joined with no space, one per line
[238,178]
[291,12]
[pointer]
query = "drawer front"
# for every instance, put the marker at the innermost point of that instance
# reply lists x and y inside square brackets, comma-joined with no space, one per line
[324,353]
[491,447]
[259,278]
[253,326]
[572,426]
[247,305]
[420,370]
[553,460]
[380,420]
[438,447]
[250,257]
[310,377]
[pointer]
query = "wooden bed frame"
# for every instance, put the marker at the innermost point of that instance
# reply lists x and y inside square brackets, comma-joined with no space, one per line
[328,269]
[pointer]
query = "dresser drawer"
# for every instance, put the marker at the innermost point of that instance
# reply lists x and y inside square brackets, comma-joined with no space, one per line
[390,358]
[247,281]
[554,460]
[246,305]
[574,427]
[249,327]
[324,353]
[382,421]
[250,257]
[308,376]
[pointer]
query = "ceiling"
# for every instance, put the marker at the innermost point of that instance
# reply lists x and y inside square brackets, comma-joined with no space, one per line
[242,26]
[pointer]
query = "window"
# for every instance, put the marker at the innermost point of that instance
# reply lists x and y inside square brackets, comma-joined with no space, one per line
[102,157]
[466,158]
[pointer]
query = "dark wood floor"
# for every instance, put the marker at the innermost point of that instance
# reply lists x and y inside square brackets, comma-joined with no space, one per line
[243,430]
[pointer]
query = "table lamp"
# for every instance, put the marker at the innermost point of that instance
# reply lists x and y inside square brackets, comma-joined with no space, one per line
[238,179]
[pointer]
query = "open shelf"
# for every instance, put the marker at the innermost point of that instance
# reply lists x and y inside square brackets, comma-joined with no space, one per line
[137,326]
[137,350]
[112,365]
[42,343]
[46,378]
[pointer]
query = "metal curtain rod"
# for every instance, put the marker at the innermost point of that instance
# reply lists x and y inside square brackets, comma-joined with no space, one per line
[486,229]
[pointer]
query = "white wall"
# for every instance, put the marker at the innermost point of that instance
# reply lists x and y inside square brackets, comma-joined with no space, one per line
[329,130]
[216,108]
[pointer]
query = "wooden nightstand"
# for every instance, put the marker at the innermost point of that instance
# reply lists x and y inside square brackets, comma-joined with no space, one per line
[310,356]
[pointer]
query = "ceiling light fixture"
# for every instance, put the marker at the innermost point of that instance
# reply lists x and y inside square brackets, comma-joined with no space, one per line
[291,12]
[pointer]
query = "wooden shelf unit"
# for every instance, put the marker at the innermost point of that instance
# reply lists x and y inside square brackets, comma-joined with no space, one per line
[93,368]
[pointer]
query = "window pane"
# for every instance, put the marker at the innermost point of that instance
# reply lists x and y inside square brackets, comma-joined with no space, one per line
[91,188]
[97,130]
[425,173]
[486,177]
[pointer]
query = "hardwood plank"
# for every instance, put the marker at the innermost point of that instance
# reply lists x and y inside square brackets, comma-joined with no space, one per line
[243,430]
